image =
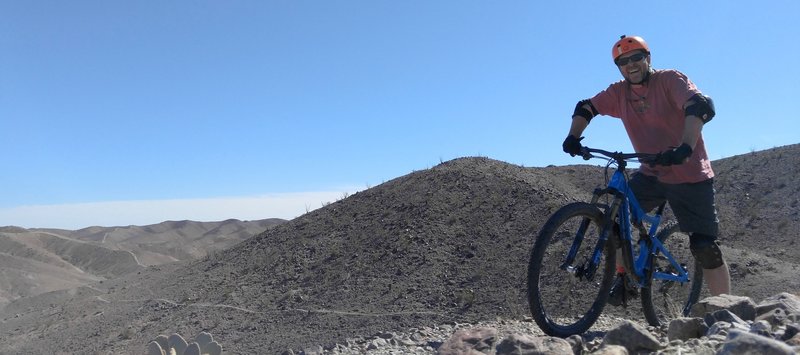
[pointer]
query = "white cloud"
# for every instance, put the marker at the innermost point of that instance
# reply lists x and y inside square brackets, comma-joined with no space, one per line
[144,212]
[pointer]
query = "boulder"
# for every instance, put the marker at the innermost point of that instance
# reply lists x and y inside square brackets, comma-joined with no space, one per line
[744,307]
[686,328]
[633,337]
[774,317]
[740,342]
[724,315]
[786,301]
[522,344]
[466,341]
[611,350]
[576,342]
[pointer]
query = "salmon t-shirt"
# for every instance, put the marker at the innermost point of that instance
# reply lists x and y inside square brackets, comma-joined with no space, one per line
[654,118]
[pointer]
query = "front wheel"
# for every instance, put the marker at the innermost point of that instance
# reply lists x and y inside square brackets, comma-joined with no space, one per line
[666,300]
[564,298]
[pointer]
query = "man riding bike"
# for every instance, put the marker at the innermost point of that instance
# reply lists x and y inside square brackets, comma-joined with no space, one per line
[663,112]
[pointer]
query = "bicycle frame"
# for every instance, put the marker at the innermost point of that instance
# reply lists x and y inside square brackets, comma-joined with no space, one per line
[627,210]
[631,213]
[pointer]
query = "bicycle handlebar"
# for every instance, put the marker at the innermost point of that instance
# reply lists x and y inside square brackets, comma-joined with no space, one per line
[586,153]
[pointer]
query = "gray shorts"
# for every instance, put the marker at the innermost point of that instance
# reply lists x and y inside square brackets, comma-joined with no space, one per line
[692,203]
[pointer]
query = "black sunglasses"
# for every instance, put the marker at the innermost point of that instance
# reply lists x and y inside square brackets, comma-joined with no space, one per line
[634,58]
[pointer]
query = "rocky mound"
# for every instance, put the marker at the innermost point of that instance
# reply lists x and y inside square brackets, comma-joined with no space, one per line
[444,245]
[758,198]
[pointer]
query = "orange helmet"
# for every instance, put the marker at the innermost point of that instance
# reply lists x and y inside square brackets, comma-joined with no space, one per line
[627,44]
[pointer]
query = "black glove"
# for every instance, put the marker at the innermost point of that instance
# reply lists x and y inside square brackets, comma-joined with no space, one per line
[572,145]
[674,156]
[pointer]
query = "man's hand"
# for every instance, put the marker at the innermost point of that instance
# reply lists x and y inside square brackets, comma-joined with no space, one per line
[675,156]
[572,145]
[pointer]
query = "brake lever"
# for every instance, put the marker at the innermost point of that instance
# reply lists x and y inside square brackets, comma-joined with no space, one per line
[585,154]
[650,161]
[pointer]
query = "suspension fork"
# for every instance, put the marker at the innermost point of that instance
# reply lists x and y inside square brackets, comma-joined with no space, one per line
[588,271]
[608,227]
[578,240]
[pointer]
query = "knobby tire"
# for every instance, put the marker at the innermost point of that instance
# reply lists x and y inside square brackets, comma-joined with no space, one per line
[561,303]
[664,300]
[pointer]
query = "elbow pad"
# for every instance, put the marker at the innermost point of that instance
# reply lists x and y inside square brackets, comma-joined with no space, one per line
[702,108]
[583,112]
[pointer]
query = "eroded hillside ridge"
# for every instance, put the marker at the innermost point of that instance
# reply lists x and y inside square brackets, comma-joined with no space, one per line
[37,262]
[446,244]
[758,198]
[171,240]
[43,260]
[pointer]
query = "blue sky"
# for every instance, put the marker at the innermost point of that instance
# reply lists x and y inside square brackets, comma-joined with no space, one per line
[134,112]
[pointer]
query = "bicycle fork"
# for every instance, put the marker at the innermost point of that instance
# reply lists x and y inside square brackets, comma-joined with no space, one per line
[589,270]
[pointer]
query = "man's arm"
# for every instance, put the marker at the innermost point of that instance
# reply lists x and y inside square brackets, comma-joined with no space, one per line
[692,127]
[691,130]
[572,144]
[579,124]
[699,109]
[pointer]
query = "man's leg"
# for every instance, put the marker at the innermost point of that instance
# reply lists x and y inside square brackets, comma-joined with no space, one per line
[715,270]
[718,280]
[695,210]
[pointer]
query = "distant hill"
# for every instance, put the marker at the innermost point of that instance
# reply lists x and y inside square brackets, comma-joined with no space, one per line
[35,261]
[446,244]
[171,240]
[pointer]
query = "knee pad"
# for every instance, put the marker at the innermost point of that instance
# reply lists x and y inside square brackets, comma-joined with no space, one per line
[706,251]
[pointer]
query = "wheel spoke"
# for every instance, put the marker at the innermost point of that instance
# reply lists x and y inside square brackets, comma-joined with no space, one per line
[562,300]
[667,299]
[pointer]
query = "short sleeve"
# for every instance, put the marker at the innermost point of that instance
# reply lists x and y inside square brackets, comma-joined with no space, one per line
[678,87]
[607,101]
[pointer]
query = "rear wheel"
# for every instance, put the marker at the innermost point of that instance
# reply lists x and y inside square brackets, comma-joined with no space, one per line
[562,298]
[666,300]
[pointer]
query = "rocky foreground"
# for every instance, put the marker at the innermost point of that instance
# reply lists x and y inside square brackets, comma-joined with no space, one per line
[718,325]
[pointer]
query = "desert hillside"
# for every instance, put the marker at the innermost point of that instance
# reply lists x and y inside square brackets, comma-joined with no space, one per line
[446,244]
[41,260]
[38,262]
[171,240]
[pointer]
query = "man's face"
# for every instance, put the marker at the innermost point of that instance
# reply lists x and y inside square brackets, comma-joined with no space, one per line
[634,66]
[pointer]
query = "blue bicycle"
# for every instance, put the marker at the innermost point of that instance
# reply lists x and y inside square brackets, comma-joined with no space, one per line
[573,261]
